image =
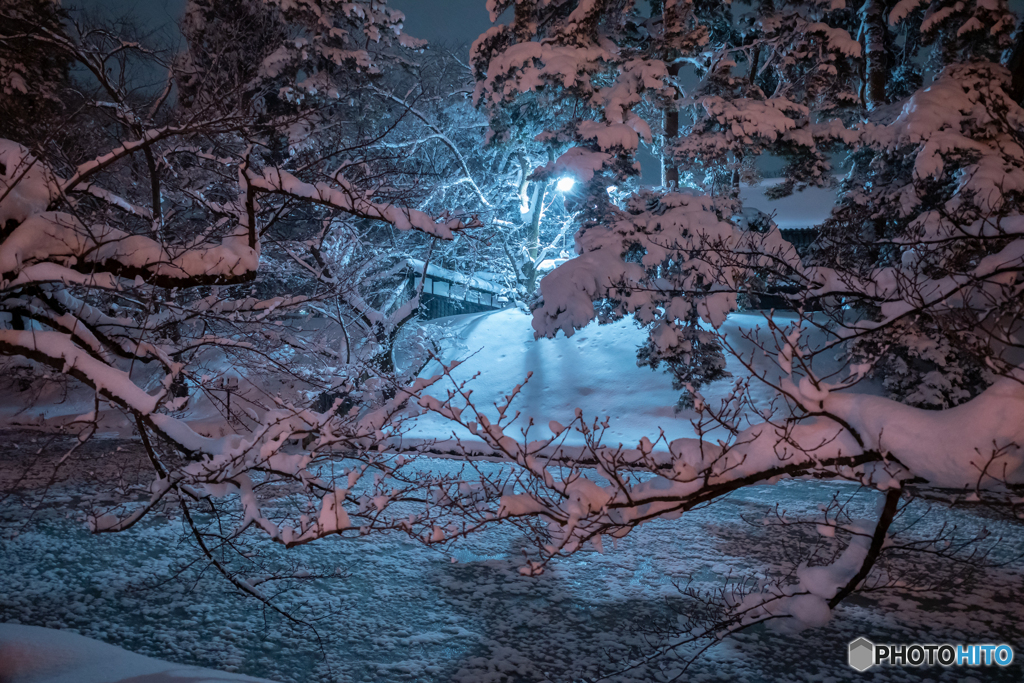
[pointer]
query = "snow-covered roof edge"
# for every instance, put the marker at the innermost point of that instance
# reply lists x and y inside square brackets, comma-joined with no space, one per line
[453,276]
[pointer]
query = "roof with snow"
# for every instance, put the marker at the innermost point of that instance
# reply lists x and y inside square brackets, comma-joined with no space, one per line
[453,277]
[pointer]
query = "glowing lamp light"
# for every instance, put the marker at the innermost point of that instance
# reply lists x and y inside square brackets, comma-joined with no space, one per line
[565,184]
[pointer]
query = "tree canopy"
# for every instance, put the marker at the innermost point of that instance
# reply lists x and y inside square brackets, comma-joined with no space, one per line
[272,210]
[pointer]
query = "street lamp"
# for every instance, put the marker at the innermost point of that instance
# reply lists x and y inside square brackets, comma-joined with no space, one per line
[565,184]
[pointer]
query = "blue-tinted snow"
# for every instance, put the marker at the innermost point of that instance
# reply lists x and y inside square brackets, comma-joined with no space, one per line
[398,611]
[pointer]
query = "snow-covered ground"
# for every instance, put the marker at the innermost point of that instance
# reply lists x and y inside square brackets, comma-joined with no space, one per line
[395,610]
[31,654]
[799,210]
[595,370]
[398,611]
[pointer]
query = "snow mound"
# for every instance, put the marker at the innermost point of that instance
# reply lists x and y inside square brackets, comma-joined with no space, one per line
[30,654]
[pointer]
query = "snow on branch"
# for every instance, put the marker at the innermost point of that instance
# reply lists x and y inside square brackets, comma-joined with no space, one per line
[343,196]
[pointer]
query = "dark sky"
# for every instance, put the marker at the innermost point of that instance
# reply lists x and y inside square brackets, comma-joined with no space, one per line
[451,21]
[154,14]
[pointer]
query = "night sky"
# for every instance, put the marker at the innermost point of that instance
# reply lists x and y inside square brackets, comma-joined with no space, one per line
[451,21]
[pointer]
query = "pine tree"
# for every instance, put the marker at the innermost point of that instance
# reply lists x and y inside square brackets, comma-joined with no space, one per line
[932,198]
[32,72]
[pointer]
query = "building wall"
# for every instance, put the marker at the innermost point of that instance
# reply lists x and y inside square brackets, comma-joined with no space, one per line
[433,306]
[441,299]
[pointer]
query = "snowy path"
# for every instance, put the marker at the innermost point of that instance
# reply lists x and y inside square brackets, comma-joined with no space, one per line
[402,612]
[595,371]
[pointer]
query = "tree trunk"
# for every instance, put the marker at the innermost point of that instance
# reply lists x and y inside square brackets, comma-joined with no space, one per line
[892,501]
[874,31]
[533,236]
[1015,63]
[154,183]
[672,30]
[669,170]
